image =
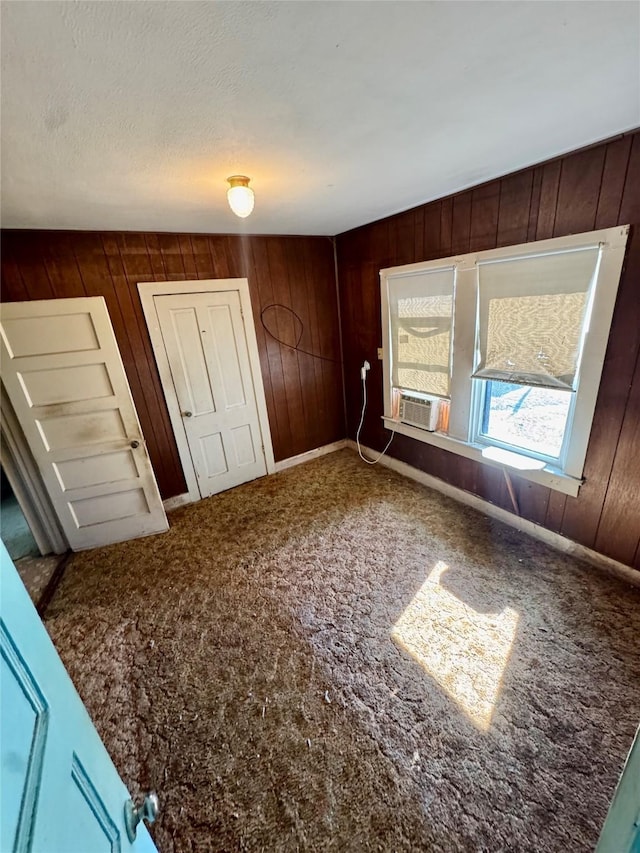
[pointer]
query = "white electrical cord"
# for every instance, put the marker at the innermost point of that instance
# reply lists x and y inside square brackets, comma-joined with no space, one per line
[363,374]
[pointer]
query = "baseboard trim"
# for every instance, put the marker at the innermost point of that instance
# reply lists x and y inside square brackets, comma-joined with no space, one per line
[182,500]
[310,454]
[177,501]
[555,540]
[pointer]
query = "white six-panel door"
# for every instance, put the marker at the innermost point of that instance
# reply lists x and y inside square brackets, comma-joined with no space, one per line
[64,376]
[206,346]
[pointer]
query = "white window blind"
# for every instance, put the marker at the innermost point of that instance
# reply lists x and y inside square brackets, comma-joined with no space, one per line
[532,316]
[421,315]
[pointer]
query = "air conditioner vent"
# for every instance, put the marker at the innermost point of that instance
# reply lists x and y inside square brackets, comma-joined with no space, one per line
[419,412]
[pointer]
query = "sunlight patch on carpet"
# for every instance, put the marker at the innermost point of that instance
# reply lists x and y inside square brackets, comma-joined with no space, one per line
[465,651]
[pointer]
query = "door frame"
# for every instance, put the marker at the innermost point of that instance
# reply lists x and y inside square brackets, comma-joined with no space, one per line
[148,290]
[28,488]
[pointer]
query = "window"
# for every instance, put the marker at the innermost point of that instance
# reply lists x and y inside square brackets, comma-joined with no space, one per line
[497,355]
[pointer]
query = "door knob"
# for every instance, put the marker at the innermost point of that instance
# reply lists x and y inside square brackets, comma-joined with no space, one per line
[135,444]
[187,414]
[147,811]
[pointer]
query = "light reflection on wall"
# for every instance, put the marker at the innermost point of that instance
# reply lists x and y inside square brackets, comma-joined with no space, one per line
[465,651]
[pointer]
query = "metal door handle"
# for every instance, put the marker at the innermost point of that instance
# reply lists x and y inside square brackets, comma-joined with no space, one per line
[135,444]
[187,414]
[147,811]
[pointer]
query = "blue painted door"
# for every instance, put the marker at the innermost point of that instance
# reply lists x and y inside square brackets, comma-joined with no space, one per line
[60,790]
[621,830]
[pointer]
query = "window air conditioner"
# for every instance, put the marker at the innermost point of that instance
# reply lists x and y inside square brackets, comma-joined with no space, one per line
[420,412]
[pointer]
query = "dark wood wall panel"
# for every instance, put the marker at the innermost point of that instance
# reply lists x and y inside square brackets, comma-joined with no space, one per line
[595,188]
[303,389]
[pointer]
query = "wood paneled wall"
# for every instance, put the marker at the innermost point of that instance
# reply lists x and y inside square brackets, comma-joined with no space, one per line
[303,389]
[595,188]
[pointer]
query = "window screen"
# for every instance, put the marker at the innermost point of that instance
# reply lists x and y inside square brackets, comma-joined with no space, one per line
[421,314]
[532,312]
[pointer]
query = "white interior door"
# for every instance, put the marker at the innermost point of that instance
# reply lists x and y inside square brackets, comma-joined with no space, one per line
[206,346]
[62,370]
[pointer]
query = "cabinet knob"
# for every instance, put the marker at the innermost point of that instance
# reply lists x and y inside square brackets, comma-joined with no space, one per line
[135,444]
[187,414]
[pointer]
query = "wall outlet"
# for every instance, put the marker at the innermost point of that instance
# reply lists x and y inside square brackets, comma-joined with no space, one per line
[380,353]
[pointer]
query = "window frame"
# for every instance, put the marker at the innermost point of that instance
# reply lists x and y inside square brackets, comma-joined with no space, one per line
[478,437]
[467,393]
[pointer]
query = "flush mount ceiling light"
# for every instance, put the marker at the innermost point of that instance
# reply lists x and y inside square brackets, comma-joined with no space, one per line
[240,195]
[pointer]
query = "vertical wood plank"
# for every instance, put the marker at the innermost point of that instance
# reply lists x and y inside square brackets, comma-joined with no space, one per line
[485,204]
[582,514]
[29,257]
[555,511]
[446,226]
[311,404]
[320,371]
[188,260]
[533,500]
[432,240]
[613,178]
[418,247]
[461,224]
[325,313]
[578,192]
[59,262]
[348,312]
[219,258]
[378,245]
[13,288]
[263,350]
[237,256]
[171,255]
[630,204]
[515,202]
[534,204]
[403,227]
[155,257]
[201,256]
[280,423]
[619,529]
[548,200]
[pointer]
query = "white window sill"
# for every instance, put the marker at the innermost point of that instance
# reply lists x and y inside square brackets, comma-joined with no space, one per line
[524,466]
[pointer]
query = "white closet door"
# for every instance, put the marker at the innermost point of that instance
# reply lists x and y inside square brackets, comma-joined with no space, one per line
[62,370]
[206,347]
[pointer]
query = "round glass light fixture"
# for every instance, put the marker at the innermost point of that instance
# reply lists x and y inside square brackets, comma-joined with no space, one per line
[240,196]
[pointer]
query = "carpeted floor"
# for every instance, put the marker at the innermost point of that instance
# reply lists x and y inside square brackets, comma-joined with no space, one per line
[36,573]
[337,659]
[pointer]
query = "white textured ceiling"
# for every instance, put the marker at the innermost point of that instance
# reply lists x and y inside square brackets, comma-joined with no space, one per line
[130,115]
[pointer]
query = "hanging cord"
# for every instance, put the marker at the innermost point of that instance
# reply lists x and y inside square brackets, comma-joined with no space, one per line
[364,406]
[296,317]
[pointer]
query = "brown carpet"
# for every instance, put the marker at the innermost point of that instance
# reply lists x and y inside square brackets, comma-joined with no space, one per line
[335,658]
[36,573]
